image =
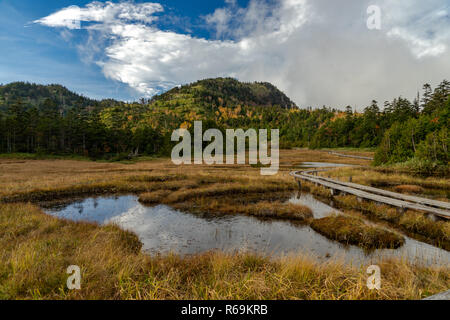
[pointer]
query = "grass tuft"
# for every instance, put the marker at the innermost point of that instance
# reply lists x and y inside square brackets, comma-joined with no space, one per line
[407,188]
[414,223]
[37,249]
[352,230]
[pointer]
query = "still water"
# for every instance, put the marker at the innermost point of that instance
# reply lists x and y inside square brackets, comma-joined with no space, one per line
[323,165]
[163,229]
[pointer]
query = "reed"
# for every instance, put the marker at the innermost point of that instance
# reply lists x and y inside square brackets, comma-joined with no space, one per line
[414,223]
[37,249]
[352,230]
[372,176]
[408,188]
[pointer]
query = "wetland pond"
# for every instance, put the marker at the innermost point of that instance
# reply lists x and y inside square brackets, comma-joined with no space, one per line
[163,230]
[323,165]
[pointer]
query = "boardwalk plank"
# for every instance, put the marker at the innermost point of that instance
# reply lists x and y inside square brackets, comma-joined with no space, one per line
[424,201]
[331,184]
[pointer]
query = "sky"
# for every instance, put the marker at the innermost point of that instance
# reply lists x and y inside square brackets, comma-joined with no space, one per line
[319,52]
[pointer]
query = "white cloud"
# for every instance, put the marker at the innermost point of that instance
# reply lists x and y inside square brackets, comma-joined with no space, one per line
[420,47]
[150,60]
[318,52]
[423,25]
[220,19]
[109,12]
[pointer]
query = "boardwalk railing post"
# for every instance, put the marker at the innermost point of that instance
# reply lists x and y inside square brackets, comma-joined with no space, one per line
[401,210]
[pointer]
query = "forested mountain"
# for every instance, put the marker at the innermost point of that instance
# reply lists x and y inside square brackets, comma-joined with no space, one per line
[34,95]
[51,119]
[225,92]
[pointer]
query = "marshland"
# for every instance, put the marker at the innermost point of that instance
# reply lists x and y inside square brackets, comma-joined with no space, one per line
[148,229]
[192,150]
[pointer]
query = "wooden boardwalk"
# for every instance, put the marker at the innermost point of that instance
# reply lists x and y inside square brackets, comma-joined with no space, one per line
[403,202]
[441,296]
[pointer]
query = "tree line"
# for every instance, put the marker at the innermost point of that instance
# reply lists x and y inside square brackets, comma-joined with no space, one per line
[59,122]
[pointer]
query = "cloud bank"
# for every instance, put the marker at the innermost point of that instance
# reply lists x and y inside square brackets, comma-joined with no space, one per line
[318,52]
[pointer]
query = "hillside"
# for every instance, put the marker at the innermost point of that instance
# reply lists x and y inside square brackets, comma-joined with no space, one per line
[51,119]
[36,95]
[203,96]
[225,92]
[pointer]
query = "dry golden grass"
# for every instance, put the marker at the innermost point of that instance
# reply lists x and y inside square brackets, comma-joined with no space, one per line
[263,209]
[48,180]
[25,180]
[353,230]
[413,223]
[372,176]
[232,198]
[154,197]
[408,188]
[37,249]
[290,158]
[227,189]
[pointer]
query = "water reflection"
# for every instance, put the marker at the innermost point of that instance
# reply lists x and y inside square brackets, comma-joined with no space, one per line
[320,209]
[163,230]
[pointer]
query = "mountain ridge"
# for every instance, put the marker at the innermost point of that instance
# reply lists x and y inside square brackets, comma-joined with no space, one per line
[35,95]
[216,92]
[229,92]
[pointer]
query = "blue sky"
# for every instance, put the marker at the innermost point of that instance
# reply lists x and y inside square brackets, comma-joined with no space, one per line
[319,52]
[36,53]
